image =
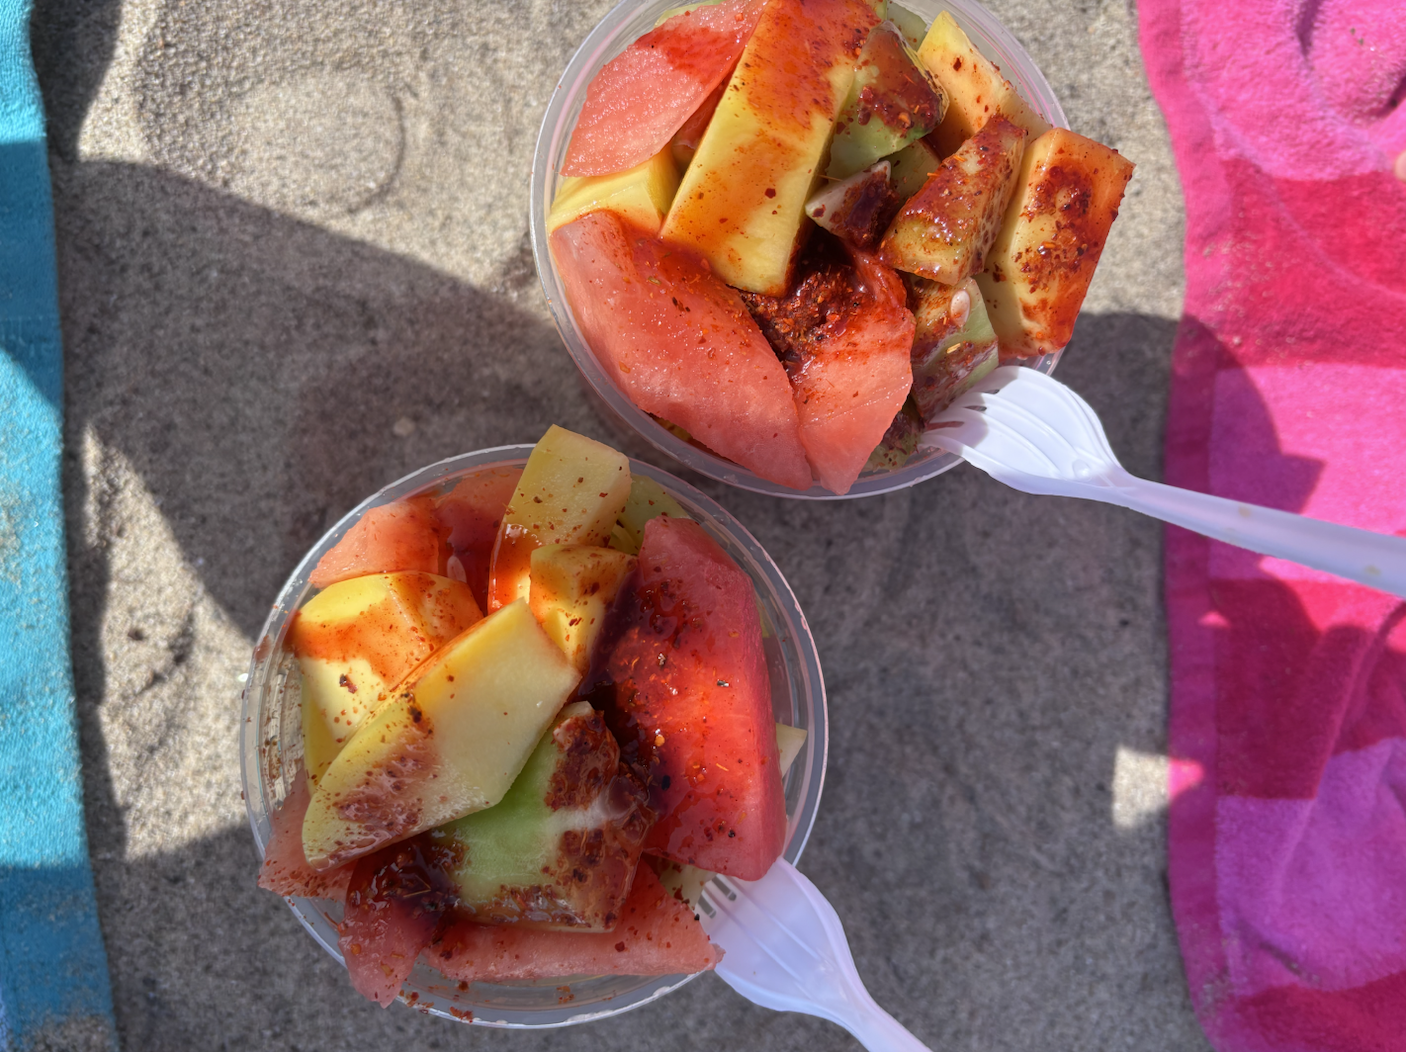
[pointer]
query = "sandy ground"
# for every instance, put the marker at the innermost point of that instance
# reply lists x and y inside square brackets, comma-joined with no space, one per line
[294,266]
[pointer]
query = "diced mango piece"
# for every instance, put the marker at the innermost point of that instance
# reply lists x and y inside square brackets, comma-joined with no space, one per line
[571,492]
[640,196]
[1040,266]
[573,586]
[976,91]
[357,639]
[742,201]
[448,743]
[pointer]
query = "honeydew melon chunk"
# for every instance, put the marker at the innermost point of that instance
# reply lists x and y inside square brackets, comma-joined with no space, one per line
[741,203]
[912,165]
[573,586]
[911,25]
[560,849]
[641,196]
[954,345]
[1040,266]
[647,500]
[449,742]
[857,208]
[892,101]
[356,640]
[946,228]
[976,91]
[572,490]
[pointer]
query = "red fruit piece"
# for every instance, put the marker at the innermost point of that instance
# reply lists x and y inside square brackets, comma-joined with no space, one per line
[639,100]
[680,344]
[845,334]
[682,679]
[395,901]
[404,535]
[285,870]
[471,512]
[656,935]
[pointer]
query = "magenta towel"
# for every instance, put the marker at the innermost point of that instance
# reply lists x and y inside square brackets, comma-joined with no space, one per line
[1287,833]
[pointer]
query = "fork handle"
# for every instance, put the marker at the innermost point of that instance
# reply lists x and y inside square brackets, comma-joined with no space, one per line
[1377,560]
[874,1028]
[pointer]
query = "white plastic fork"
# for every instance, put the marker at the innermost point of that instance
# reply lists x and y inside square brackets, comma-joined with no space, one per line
[784,948]
[1034,434]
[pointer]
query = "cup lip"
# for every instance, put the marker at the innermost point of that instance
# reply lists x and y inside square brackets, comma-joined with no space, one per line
[606,40]
[806,680]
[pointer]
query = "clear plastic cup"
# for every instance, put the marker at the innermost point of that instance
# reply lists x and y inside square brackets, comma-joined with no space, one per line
[271,749]
[618,30]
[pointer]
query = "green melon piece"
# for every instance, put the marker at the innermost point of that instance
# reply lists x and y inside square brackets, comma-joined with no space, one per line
[954,345]
[892,101]
[947,227]
[559,850]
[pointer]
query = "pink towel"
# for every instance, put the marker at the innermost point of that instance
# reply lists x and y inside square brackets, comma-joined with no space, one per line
[1288,719]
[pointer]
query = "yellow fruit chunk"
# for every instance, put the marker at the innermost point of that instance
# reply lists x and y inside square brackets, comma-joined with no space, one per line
[571,492]
[976,91]
[788,743]
[573,586]
[742,201]
[640,196]
[1043,259]
[357,639]
[449,742]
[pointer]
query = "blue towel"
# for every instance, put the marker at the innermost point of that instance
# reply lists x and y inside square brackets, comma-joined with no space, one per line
[54,986]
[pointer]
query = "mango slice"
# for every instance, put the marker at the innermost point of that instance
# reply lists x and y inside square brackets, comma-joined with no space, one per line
[357,639]
[741,203]
[641,196]
[571,492]
[448,743]
[573,586]
[976,91]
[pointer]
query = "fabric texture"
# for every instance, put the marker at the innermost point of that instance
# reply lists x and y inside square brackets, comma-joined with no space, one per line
[1287,832]
[54,988]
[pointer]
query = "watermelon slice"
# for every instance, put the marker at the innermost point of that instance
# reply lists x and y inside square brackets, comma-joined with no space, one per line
[656,935]
[471,512]
[285,870]
[681,345]
[639,100]
[404,535]
[845,333]
[682,679]
[395,901]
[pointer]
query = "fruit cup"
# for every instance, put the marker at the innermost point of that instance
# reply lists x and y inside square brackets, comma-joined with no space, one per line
[616,31]
[271,748]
